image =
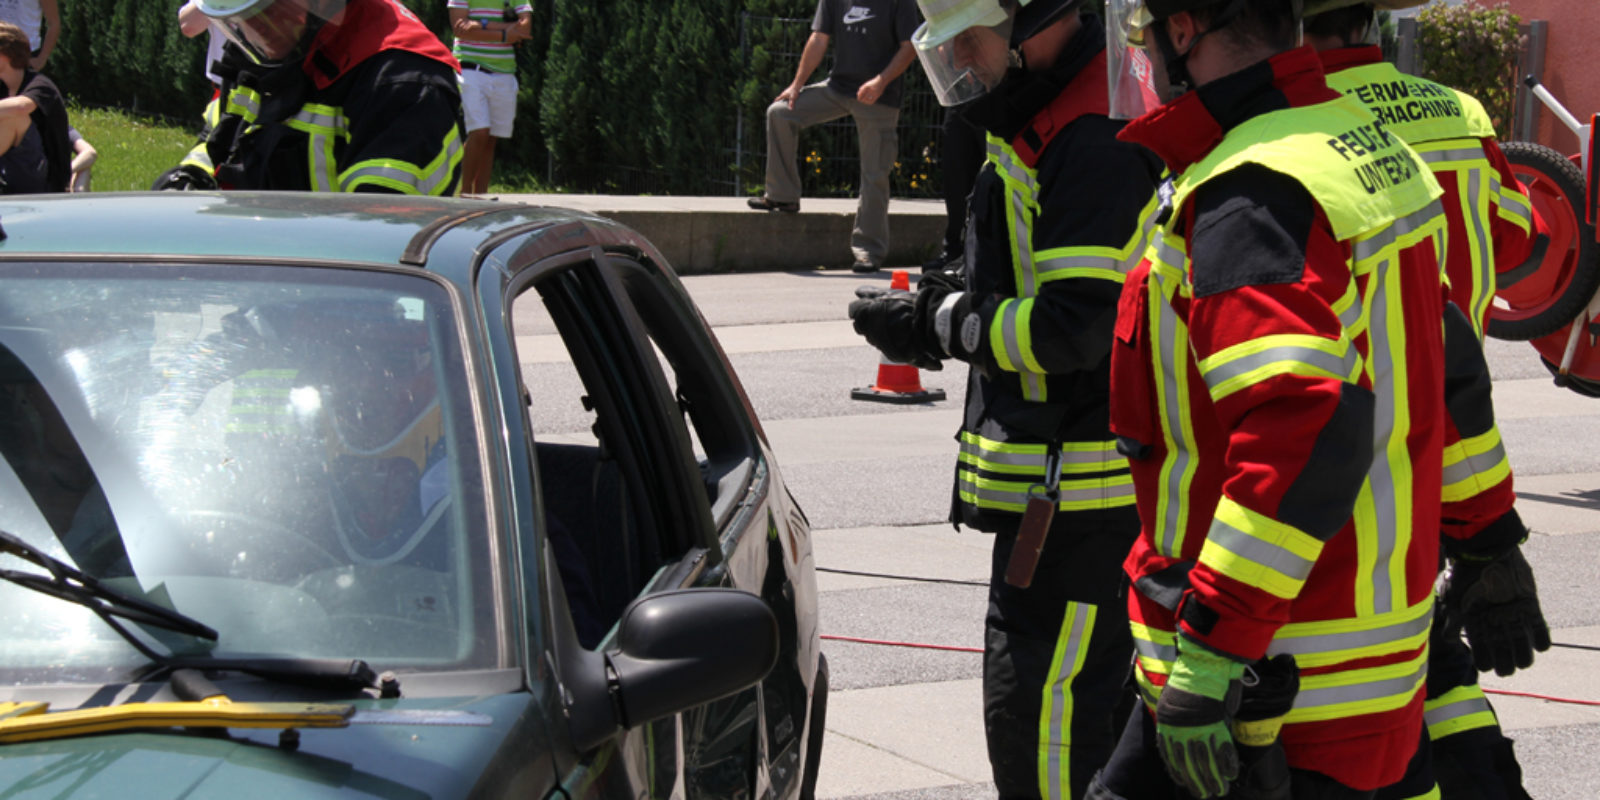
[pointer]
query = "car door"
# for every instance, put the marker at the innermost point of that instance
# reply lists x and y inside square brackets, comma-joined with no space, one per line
[651,478]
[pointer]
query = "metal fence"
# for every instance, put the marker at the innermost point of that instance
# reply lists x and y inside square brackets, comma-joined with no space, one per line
[828,153]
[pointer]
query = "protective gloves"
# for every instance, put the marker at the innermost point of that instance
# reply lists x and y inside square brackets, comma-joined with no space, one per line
[897,322]
[183,178]
[1193,717]
[1494,600]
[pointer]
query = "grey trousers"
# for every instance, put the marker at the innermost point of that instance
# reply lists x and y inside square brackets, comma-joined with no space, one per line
[875,125]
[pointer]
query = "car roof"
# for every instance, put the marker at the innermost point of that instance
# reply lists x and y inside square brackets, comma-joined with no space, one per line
[296,226]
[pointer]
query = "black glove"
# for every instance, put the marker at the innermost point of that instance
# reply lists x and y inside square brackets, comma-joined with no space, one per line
[1493,599]
[888,320]
[184,178]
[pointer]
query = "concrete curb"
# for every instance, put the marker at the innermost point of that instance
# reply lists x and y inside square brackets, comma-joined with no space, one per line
[703,235]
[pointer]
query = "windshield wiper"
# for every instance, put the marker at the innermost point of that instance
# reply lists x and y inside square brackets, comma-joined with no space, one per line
[67,583]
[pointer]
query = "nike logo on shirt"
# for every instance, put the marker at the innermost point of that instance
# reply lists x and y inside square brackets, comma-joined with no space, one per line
[857,14]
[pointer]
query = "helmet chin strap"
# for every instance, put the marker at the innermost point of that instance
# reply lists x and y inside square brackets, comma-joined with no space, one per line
[1178,76]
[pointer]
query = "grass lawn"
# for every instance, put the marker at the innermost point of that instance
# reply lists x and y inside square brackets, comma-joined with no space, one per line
[135,149]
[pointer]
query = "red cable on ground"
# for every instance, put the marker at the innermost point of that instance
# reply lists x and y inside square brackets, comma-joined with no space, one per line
[916,645]
[1537,696]
[959,649]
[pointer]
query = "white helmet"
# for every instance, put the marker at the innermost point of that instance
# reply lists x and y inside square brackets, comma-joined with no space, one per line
[946,40]
[272,31]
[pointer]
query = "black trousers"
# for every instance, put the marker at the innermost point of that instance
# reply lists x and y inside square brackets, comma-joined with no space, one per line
[961,154]
[1136,771]
[1056,657]
[1471,758]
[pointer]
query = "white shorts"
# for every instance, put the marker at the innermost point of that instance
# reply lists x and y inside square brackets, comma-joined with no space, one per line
[488,100]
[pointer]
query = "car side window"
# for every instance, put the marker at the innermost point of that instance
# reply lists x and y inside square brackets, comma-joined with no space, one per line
[595,417]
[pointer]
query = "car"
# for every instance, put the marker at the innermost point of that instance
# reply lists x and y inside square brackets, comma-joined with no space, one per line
[321,495]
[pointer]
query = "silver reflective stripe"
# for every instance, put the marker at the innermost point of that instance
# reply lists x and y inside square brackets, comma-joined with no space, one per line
[1310,356]
[1050,265]
[1008,333]
[331,122]
[1074,639]
[1483,256]
[1352,640]
[1513,203]
[1172,371]
[1479,464]
[1350,316]
[1108,456]
[1361,692]
[1165,653]
[1477,704]
[321,163]
[984,495]
[247,101]
[1375,244]
[1166,253]
[1458,154]
[1258,551]
[1381,475]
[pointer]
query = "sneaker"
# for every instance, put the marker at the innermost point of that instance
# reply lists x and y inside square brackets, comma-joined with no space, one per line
[942,262]
[863,265]
[765,203]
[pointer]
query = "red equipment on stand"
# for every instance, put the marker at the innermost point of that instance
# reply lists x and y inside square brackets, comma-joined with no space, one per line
[1553,299]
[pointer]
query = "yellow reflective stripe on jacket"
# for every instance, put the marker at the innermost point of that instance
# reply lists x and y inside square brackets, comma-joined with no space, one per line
[1011,339]
[1352,693]
[1030,459]
[1077,494]
[324,126]
[1463,708]
[244,102]
[1105,263]
[1514,205]
[1473,465]
[1464,164]
[260,402]
[1156,649]
[1055,710]
[1259,551]
[1171,340]
[432,179]
[1251,362]
[1382,514]
[1325,642]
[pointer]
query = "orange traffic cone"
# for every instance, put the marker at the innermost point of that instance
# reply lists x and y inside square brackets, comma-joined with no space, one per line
[897,383]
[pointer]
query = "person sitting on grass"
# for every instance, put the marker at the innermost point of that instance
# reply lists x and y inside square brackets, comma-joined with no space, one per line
[35,155]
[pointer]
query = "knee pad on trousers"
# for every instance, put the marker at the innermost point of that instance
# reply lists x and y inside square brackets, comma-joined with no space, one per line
[1098,791]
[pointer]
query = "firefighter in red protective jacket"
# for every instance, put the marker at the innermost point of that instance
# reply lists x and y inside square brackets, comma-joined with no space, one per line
[1280,377]
[328,96]
[1489,221]
[1057,217]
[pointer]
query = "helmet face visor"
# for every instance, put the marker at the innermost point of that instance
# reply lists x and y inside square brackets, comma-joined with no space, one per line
[274,31]
[1129,73]
[967,64]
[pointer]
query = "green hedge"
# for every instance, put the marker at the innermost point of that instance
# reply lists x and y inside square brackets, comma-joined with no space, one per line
[1473,49]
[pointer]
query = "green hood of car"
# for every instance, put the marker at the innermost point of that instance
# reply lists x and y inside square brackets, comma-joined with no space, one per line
[415,752]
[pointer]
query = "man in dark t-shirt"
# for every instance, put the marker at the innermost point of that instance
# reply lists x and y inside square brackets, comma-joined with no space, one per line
[874,48]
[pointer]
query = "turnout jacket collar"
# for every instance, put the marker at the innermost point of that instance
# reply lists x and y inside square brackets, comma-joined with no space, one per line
[370,27]
[1187,129]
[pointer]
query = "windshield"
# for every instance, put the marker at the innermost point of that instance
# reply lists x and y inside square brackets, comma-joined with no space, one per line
[287,455]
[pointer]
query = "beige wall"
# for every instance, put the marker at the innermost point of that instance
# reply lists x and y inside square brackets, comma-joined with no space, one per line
[1572,60]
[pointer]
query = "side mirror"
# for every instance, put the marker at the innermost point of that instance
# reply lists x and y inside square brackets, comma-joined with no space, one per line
[673,651]
[681,649]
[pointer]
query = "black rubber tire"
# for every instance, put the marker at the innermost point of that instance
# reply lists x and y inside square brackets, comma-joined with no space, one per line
[819,720]
[1568,179]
